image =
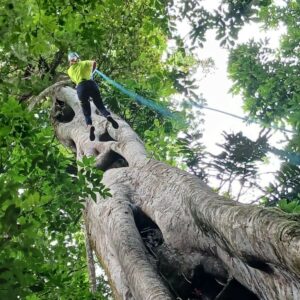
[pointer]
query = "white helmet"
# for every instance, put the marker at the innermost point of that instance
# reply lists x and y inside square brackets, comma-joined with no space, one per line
[73,56]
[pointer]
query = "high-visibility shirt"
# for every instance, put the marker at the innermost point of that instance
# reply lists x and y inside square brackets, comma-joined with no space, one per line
[82,70]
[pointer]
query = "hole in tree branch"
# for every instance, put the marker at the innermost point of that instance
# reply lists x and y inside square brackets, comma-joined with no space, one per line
[72,145]
[112,161]
[63,112]
[198,283]
[105,137]
[259,264]
[235,291]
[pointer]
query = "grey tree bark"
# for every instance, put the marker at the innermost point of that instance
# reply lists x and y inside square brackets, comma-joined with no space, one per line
[165,234]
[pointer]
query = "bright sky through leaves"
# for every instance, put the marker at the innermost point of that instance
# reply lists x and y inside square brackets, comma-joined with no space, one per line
[215,89]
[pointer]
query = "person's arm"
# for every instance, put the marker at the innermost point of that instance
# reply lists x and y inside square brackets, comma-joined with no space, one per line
[94,65]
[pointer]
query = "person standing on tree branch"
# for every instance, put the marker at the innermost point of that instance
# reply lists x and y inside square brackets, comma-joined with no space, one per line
[80,73]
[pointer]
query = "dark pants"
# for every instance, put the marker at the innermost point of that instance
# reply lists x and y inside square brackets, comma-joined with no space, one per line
[85,90]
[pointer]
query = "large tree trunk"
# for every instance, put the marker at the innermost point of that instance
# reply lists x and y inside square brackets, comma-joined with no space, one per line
[164,234]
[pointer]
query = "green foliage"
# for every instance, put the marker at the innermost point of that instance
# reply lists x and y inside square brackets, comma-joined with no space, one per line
[291,206]
[41,247]
[286,184]
[117,35]
[127,41]
[240,152]
[162,143]
[193,154]
[89,179]
[268,79]
[270,87]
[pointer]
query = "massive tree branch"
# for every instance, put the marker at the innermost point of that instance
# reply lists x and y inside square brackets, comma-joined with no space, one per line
[33,101]
[200,235]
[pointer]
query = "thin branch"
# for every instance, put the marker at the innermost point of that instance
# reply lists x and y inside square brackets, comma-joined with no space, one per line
[224,290]
[35,100]
[56,61]
[240,191]
[90,261]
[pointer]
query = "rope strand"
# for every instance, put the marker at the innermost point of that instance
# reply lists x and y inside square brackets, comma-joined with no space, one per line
[149,103]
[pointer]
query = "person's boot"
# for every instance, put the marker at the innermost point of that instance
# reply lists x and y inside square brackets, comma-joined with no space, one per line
[112,121]
[92,133]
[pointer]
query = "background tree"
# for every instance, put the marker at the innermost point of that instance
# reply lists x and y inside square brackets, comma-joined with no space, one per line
[237,163]
[227,19]
[266,78]
[268,81]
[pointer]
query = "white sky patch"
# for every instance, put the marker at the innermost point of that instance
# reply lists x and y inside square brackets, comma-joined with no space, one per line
[21,191]
[215,88]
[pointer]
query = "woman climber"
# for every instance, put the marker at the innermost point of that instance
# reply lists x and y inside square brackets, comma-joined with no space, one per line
[80,73]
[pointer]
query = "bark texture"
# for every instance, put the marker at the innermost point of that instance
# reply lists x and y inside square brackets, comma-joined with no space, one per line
[164,234]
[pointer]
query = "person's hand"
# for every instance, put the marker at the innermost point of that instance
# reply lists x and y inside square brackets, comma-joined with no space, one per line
[94,65]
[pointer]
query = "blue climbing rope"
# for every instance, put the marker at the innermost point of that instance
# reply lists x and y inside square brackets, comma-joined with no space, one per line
[293,158]
[147,102]
[165,112]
